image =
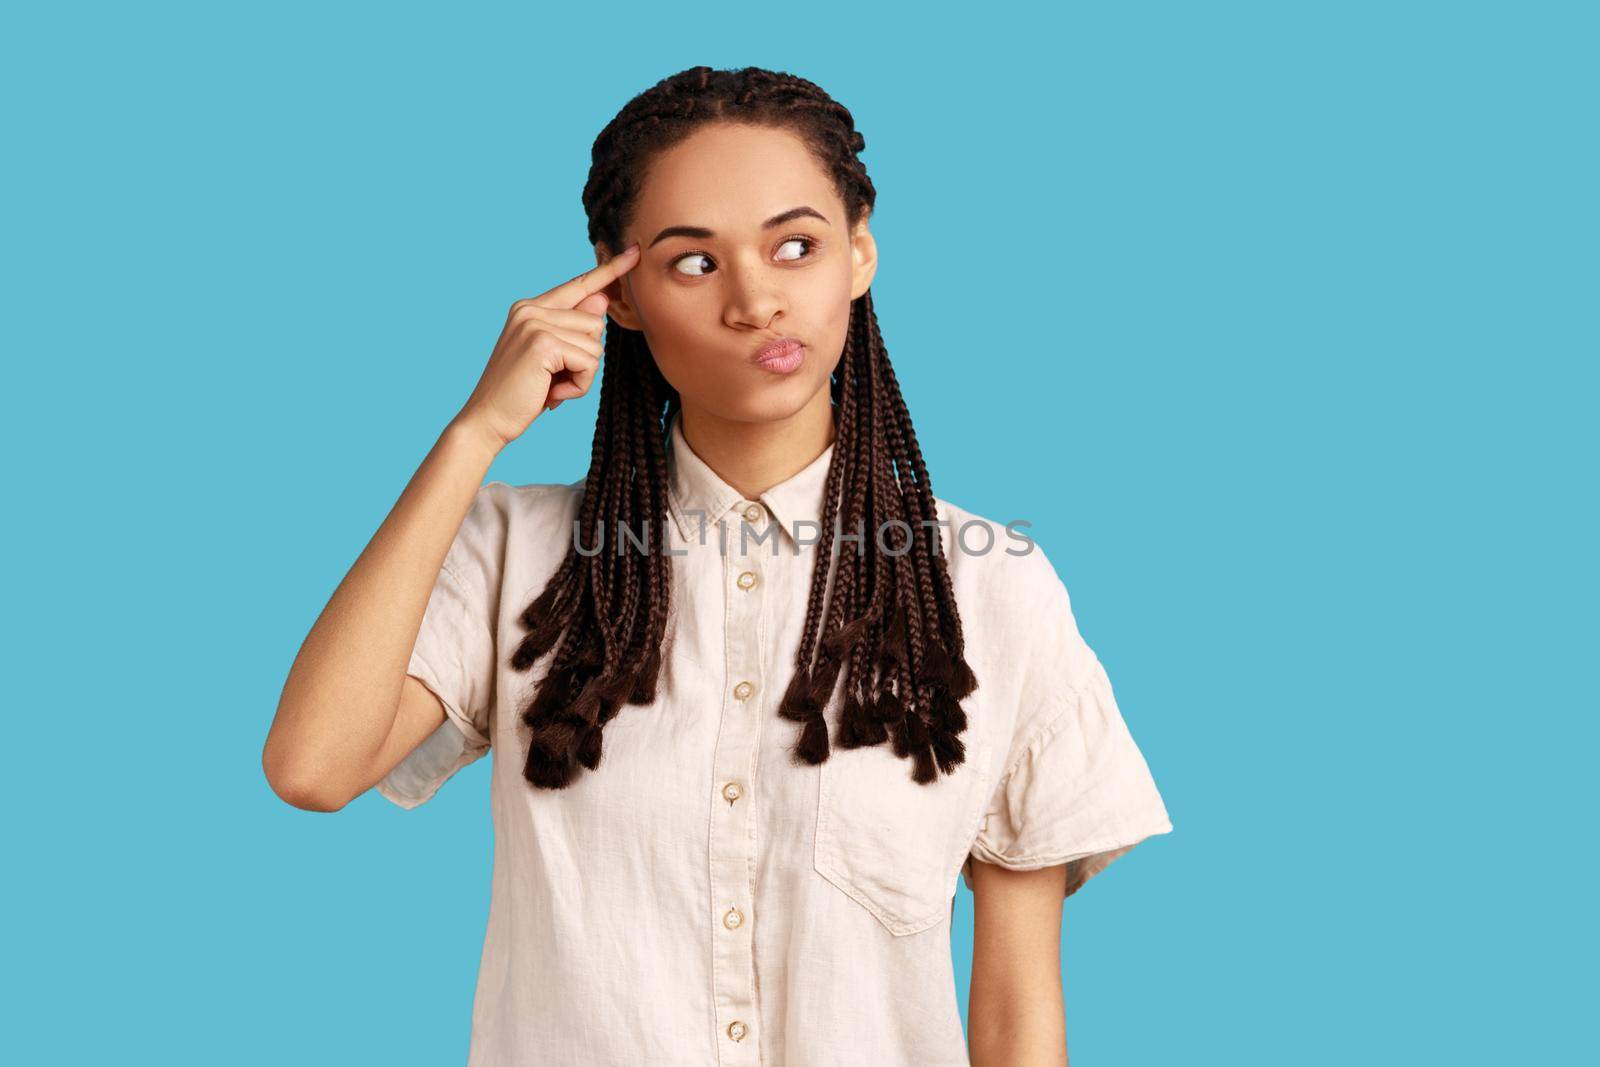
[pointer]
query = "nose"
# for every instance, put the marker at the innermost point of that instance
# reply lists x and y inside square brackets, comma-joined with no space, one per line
[754,296]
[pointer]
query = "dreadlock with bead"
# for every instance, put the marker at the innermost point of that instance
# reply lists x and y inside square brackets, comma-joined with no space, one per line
[890,628]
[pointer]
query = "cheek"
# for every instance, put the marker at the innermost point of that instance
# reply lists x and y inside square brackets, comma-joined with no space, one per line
[661,306]
[827,300]
[674,320]
[675,327]
[835,281]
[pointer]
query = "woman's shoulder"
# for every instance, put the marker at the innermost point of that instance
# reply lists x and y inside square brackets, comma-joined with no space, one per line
[531,513]
[998,568]
[533,499]
[1015,608]
[989,548]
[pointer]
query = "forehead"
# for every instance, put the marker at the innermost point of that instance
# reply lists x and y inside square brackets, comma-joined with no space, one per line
[729,178]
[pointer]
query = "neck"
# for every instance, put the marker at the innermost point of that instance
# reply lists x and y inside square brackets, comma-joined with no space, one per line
[755,456]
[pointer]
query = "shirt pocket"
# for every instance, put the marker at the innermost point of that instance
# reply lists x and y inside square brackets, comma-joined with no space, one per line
[892,845]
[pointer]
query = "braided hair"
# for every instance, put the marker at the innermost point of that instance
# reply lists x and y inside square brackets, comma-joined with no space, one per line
[890,628]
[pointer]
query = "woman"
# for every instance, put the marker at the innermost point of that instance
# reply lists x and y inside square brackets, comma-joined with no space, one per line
[756,696]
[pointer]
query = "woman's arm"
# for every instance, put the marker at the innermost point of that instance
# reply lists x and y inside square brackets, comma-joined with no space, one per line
[339,704]
[348,714]
[1015,1011]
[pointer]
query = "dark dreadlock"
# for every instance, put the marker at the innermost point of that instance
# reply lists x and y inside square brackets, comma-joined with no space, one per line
[890,626]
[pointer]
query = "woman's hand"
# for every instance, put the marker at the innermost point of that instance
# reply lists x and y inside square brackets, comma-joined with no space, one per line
[548,352]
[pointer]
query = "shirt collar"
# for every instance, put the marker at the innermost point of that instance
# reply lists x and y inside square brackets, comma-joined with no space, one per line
[697,495]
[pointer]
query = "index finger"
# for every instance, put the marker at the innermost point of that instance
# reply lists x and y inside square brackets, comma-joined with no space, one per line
[570,293]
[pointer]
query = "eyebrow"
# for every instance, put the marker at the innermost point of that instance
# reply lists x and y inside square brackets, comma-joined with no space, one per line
[701,233]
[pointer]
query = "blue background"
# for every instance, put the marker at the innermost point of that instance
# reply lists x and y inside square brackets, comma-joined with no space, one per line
[1276,320]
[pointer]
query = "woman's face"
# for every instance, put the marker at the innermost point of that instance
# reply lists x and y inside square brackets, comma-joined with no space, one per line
[707,301]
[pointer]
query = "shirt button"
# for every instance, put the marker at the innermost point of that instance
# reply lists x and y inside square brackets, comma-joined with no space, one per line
[733,918]
[753,512]
[747,580]
[732,791]
[737,1030]
[743,690]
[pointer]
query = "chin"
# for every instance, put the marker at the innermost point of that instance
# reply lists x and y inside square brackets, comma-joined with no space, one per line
[774,403]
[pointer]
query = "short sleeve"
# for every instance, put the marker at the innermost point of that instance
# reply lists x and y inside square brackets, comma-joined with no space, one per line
[455,653]
[1076,789]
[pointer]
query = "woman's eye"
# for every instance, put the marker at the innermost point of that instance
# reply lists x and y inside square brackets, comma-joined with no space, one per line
[699,258]
[795,241]
[689,259]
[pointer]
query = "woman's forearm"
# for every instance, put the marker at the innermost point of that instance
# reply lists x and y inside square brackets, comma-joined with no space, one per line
[339,702]
[1029,1031]
[1015,1011]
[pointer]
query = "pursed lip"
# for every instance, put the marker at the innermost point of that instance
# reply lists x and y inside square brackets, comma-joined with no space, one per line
[776,349]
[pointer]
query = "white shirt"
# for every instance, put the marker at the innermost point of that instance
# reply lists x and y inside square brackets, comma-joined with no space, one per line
[701,899]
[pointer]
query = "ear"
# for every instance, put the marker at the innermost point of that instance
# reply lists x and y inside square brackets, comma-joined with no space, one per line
[863,259]
[619,306]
